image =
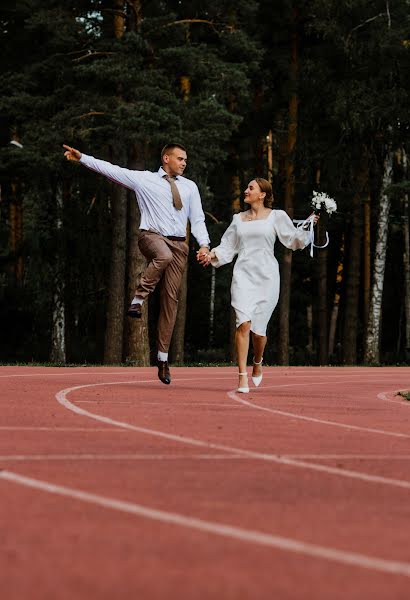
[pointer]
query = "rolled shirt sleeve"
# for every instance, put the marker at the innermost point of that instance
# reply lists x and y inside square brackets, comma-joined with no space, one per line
[197,218]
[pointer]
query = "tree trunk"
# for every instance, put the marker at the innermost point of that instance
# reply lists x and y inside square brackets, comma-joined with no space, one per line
[135,20]
[178,337]
[322,320]
[286,265]
[114,333]
[372,344]
[351,312]
[58,338]
[321,270]
[406,263]
[336,302]
[212,307]
[236,207]
[269,144]
[366,260]
[119,18]
[309,326]
[116,289]
[406,269]
[137,349]
[58,345]
[16,234]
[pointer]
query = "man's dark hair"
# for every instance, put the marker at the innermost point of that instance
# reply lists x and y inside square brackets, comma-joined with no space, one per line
[171,146]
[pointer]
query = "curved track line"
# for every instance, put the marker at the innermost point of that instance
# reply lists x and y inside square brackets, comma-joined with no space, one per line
[283,413]
[245,535]
[61,397]
[113,457]
[168,456]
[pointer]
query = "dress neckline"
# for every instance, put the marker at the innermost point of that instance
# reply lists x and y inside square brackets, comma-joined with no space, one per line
[254,220]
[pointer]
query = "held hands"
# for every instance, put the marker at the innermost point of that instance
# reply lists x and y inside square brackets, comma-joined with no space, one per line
[204,256]
[72,153]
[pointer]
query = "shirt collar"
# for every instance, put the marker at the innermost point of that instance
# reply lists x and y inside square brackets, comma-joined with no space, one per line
[161,173]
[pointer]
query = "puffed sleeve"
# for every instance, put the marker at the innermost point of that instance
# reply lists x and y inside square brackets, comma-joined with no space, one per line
[228,248]
[294,238]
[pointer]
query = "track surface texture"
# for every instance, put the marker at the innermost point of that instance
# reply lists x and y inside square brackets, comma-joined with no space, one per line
[114,486]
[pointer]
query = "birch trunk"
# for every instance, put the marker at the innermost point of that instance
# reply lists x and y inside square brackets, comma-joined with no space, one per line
[372,342]
[406,268]
[58,339]
[366,261]
[406,263]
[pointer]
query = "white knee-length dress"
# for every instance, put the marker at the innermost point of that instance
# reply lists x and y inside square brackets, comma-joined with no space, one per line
[256,280]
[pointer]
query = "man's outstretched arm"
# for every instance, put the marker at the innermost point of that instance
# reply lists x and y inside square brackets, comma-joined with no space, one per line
[125,177]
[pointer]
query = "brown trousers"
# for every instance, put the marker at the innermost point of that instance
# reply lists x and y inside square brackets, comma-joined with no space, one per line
[166,263]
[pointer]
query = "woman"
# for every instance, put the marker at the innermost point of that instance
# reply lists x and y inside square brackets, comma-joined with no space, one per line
[255,282]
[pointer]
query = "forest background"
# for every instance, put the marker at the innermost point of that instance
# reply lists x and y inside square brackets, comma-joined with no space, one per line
[311,95]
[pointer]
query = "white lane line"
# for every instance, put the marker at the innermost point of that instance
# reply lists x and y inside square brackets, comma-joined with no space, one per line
[63,400]
[138,371]
[58,429]
[350,456]
[175,404]
[354,559]
[283,413]
[193,404]
[326,382]
[67,373]
[102,401]
[161,457]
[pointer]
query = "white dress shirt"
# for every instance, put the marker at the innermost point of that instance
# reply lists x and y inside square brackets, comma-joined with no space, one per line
[154,199]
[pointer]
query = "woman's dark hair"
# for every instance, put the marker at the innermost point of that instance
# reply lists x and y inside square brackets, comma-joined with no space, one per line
[266,187]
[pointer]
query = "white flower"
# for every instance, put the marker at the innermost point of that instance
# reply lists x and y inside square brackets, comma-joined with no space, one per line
[322,201]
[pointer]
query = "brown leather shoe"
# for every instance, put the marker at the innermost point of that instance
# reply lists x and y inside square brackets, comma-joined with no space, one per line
[163,371]
[135,311]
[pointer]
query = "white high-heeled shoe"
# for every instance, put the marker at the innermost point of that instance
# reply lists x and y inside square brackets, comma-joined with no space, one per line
[244,389]
[257,380]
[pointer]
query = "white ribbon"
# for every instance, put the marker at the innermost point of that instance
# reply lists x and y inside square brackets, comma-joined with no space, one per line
[309,222]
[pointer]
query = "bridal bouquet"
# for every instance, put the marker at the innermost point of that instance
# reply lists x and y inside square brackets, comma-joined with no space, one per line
[323,202]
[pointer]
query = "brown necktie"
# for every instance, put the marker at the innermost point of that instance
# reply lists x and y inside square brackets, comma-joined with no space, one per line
[176,198]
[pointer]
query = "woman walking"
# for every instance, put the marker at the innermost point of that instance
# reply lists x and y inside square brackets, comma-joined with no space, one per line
[255,282]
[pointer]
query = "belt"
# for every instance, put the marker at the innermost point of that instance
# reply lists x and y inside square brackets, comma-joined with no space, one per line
[175,238]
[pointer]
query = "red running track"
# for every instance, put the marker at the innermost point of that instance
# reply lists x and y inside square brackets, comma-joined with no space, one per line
[116,486]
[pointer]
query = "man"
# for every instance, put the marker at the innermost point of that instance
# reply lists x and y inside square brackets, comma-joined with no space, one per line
[166,200]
